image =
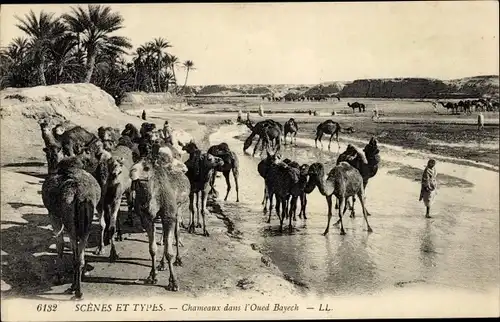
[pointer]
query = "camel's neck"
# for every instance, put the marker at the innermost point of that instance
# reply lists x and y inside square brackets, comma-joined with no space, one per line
[48,137]
[325,186]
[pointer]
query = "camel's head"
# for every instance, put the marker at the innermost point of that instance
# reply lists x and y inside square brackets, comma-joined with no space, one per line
[372,146]
[115,168]
[304,169]
[316,170]
[211,161]
[141,170]
[190,147]
[54,155]
[59,129]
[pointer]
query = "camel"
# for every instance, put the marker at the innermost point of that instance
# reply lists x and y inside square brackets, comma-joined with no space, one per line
[450,105]
[280,179]
[327,127]
[200,171]
[366,162]
[72,139]
[268,131]
[343,181]
[132,132]
[160,191]
[291,127]
[230,164]
[117,184]
[71,196]
[262,168]
[298,191]
[356,105]
[109,137]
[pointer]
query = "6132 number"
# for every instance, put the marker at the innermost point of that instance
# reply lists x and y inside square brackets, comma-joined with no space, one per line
[46,307]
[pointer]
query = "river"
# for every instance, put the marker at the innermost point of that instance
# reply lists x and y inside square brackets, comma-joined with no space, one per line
[457,249]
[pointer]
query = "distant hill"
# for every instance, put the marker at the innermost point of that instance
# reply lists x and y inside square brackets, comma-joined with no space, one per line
[477,86]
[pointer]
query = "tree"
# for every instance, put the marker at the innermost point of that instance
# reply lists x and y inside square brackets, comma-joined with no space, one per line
[95,25]
[189,65]
[174,61]
[43,31]
[158,44]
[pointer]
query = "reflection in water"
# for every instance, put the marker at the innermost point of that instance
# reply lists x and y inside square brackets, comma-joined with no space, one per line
[427,249]
[350,268]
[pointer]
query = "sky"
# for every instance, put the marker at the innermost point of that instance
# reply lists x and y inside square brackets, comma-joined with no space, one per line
[309,43]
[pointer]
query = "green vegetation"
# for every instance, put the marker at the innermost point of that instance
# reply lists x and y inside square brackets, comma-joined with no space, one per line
[80,46]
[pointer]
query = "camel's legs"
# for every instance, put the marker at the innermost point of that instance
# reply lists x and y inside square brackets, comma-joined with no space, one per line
[236,175]
[256,145]
[264,199]
[362,201]
[270,196]
[102,223]
[280,212]
[149,225]
[290,216]
[330,142]
[178,261]
[318,138]
[130,207]
[341,203]
[169,227]
[79,265]
[191,227]
[329,203]
[295,138]
[74,251]
[60,253]
[337,138]
[303,204]
[293,207]
[203,207]
[111,217]
[198,225]
[228,183]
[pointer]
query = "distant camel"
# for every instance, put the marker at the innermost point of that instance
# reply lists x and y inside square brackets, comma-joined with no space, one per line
[356,105]
[200,170]
[450,105]
[164,192]
[71,196]
[230,164]
[329,127]
[343,181]
[291,127]
[268,131]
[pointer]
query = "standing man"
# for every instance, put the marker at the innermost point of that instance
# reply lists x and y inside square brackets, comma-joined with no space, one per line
[143,115]
[428,186]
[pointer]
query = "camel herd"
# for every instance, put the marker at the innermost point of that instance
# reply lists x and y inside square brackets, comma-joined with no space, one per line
[469,106]
[288,181]
[90,172]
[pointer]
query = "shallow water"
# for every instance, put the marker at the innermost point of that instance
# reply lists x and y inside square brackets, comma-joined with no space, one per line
[457,248]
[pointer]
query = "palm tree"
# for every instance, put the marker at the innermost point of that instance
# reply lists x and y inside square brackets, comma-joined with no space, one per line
[95,26]
[174,61]
[158,45]
[189,65]
[64,55]
[43,31]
